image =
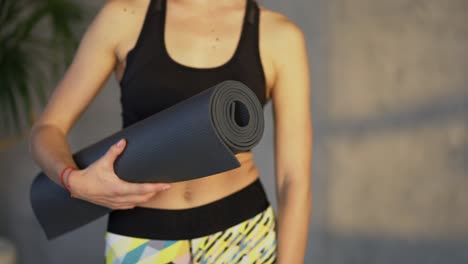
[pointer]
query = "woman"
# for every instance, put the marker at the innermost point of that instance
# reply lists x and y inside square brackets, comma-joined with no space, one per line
[164,51]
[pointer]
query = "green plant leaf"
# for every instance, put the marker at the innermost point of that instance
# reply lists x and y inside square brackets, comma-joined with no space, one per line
[28,59]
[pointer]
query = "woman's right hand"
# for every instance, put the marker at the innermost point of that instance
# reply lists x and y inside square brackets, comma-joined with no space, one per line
[99,184]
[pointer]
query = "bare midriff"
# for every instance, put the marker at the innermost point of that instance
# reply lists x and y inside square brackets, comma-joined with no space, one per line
[204,190]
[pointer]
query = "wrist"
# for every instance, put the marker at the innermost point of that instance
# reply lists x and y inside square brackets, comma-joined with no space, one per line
[65,177]
[72,182]
[63,174]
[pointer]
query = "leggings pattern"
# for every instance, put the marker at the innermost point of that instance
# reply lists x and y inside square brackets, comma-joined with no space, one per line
[251,241]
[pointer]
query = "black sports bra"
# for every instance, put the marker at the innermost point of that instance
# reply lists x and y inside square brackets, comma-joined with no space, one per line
[153,81]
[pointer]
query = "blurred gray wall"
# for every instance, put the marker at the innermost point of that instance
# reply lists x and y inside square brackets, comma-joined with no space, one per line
[397,132]
[390,110]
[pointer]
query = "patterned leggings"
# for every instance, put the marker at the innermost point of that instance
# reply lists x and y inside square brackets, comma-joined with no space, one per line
[251,240]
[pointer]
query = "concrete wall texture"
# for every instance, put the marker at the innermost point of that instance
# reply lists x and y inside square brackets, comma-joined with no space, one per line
[390,107]
[397,132]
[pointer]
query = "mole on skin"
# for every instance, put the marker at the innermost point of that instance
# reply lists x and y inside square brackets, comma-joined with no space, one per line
[188,195]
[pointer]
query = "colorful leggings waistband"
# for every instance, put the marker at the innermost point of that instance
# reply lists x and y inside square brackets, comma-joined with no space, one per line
[251,241]
[176,224]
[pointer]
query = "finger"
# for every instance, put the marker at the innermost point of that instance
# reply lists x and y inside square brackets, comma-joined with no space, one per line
[139,199]
[128,188]
[126,207]
[121,206]
[114,151]
[129,200]
[116,203]
[132,199]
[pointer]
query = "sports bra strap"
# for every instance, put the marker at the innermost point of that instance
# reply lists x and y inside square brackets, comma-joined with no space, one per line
[158,5]
[251,10]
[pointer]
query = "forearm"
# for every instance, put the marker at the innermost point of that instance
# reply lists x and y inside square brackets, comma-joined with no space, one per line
[50,150]
[294,209]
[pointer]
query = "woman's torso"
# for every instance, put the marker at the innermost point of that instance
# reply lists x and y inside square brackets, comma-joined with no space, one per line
[193,45]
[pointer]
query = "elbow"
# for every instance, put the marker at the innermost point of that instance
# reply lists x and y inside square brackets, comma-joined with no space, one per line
[298,184]
[34,131]
[32,136]
[37,129]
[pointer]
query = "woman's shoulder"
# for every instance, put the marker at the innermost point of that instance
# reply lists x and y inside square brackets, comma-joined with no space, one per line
[279,34]
[278,24]
[116,20]
[120,12]
[109,4]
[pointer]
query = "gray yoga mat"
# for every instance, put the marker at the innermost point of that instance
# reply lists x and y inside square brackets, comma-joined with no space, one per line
[194,138]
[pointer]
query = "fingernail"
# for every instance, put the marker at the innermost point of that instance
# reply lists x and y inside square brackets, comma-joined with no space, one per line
[120,143]
[166,187]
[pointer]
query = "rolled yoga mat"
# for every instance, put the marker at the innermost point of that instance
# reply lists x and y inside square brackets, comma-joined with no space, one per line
[194,138]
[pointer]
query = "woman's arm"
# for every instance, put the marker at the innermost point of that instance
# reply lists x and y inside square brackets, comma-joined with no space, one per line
[91,67]
[293,141]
